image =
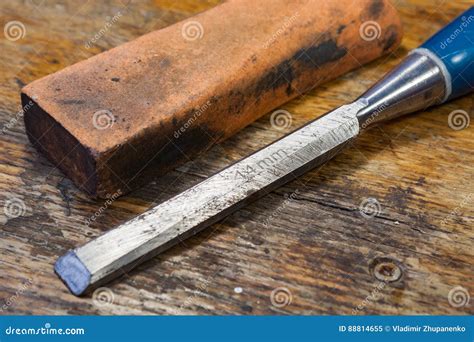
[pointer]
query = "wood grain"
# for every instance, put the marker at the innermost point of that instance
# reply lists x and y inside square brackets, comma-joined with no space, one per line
[307,239]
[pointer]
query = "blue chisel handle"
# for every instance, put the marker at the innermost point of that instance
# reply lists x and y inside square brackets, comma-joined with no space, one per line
[454,48]
[438,71]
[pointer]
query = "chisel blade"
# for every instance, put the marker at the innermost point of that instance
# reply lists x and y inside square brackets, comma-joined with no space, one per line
[209,201]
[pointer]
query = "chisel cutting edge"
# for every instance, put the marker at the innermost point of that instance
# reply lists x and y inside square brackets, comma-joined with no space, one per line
[440,70]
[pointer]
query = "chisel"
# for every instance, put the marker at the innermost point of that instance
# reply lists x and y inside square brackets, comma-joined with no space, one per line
[440,70]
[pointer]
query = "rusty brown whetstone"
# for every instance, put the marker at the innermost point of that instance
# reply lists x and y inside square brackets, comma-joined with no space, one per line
[120,118]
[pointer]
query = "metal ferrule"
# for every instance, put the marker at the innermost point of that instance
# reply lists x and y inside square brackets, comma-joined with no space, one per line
[418,82]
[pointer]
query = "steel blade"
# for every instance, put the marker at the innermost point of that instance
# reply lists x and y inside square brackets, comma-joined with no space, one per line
[209,201]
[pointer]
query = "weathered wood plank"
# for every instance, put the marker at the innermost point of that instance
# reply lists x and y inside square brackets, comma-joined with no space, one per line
[308,238]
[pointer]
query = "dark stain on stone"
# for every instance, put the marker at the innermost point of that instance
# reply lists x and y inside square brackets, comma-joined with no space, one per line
[390,41]
[115,79]
[277,77]
[54,61]
[174,120]
[390,38]
[236,102]
[198,138]
[376,8]
[290,69]
[326,52]
[194,139]
[341,28]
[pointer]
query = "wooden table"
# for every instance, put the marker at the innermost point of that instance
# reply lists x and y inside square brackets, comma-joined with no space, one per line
[307,243]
